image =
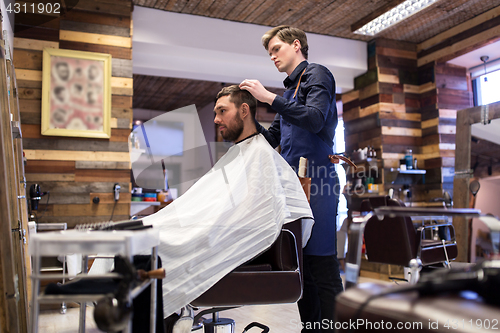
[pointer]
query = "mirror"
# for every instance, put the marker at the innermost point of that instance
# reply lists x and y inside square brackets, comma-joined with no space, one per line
[463,141]
[474,187]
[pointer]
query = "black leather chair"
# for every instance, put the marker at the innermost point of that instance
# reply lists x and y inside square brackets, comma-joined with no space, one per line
[394,240]
[370,307]
[409,312]
[273,277]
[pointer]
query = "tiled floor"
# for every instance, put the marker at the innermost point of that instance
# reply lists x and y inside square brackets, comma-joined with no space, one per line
[282,318]
[54,322]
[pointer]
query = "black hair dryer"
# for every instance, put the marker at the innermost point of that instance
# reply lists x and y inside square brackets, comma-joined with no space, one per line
[35,196]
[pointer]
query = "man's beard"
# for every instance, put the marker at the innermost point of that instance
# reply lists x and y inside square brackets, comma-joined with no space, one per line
[232,134]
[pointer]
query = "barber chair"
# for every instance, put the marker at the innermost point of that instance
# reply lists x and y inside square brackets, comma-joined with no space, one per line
[463,300]
[394,240]
[373,307]
[273,277]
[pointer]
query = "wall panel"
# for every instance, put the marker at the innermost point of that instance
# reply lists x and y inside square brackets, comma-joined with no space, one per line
[75,170]
[407,107]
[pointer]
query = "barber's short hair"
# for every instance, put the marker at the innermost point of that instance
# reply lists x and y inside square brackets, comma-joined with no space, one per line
[287,34]
[239,96]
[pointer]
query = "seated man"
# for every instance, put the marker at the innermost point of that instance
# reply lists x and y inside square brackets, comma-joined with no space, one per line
[233,213]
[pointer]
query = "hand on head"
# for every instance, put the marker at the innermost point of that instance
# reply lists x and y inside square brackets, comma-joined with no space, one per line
[258,91]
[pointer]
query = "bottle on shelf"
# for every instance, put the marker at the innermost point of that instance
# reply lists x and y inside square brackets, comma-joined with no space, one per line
[409,159]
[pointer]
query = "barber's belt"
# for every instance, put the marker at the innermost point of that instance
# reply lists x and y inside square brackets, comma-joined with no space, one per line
[336,159]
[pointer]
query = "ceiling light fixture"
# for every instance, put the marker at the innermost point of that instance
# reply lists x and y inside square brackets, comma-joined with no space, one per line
[393,16]
[484,59]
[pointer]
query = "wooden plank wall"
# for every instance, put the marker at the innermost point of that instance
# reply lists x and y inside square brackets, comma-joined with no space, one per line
[451,92]
[383,95]
[75,170]
[397,105]
[412,97]
[383,110]
[448,90]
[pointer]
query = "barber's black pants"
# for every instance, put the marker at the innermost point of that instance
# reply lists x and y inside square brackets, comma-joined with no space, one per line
[322,283]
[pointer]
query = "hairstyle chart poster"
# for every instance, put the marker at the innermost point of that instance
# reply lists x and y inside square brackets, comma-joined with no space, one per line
[76,94]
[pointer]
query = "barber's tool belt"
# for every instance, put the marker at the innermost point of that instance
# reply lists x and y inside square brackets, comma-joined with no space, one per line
[306,186]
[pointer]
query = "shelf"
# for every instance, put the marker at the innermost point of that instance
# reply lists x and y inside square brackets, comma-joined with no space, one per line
[364,193]
[149,203]
[88,298]
[139,206]
[370,161]
[91,242]
[409,172]
[419,211]
[363,166]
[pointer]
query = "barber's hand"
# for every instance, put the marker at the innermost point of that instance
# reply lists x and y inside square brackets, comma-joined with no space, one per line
[258,91]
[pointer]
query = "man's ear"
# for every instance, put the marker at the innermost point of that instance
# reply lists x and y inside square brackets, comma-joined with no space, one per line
[245,110]
[296,44]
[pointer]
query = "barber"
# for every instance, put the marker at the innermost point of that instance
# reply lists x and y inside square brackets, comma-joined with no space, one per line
[305,127]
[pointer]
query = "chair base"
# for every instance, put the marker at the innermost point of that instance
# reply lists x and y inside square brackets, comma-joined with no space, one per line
[222,325]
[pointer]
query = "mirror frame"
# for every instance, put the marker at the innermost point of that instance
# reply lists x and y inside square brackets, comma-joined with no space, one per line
[463,172]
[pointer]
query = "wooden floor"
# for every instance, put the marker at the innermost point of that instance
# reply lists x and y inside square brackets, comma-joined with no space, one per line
[282,318]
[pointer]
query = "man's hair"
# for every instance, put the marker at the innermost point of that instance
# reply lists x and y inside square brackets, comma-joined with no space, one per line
[238,97]
[287,34]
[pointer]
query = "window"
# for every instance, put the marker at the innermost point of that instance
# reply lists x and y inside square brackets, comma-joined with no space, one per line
[486,88]
[338,148]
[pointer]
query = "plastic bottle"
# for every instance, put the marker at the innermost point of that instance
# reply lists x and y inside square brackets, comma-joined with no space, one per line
[409,159]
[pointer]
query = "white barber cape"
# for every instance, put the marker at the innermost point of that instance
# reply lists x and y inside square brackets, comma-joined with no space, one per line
[233,213]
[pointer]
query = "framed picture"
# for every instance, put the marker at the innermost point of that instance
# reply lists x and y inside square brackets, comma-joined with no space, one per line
[76,93]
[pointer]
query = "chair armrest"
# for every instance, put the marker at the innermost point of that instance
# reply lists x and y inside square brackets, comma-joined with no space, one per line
[281,256]
[285,254]
[433,251]
[446,232]
[51,226]
[355,242]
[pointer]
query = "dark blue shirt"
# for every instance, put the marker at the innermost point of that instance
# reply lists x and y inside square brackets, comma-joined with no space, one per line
[305,127]
[314,109]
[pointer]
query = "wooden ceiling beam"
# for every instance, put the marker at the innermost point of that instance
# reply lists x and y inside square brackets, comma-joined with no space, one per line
[466,37]
[489,15]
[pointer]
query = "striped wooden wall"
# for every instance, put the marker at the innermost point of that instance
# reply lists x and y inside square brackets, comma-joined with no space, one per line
[409,98]
[397,105]
[450,92]
[75,170]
